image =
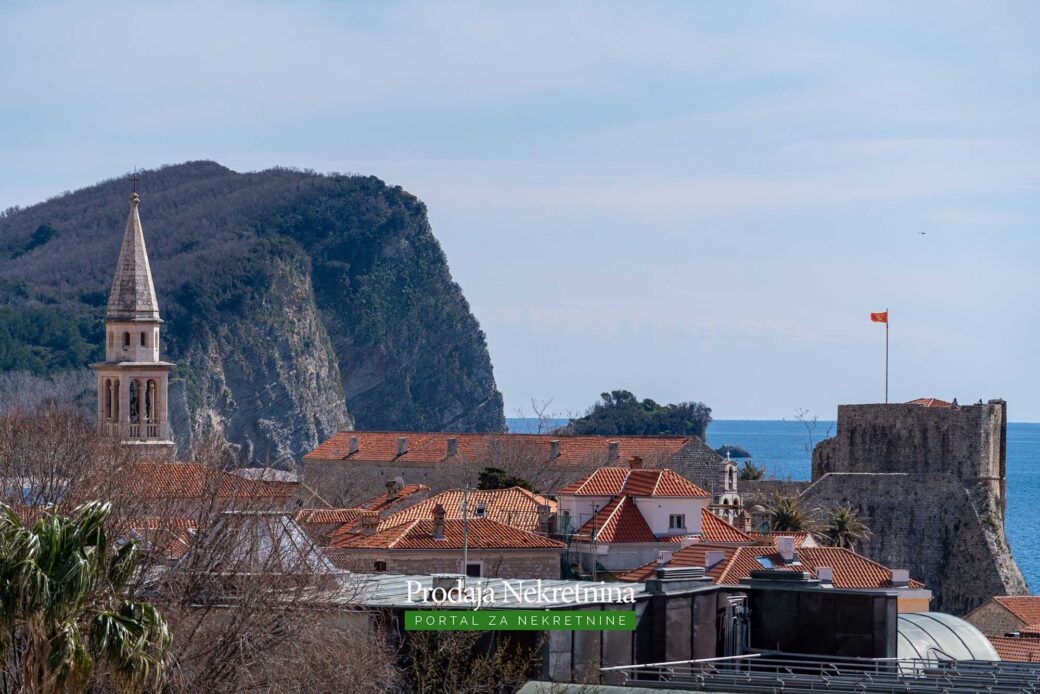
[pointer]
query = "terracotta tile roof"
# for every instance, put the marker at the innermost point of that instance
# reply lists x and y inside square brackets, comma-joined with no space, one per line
[418,535]
[326,515]
[714,529]
[618,521]
[612,481]
[390,501]
[1031,630]
[850,569]
[1024,607]
[770,538]
[1021,650]
[427,448]
[193,481]
[930,402]
[170,537]
[514,506]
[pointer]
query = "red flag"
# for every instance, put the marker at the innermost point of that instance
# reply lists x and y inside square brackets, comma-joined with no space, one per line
[879,317]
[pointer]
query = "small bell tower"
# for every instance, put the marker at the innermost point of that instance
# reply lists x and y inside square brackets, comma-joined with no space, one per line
[132,382]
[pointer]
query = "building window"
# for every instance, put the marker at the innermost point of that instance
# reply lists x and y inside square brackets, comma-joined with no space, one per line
[481,511]
[126,340]
[380,566]
[473,570]
[110,339]
[677,521]
[144,339]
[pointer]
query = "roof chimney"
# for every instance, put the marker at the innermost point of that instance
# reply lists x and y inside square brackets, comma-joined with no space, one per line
[554,449]
[663,557]
[613,450]
[635,462]
[352,447]
[402,445]
[713,557]
[438,522]
[453,446]
[544,519]
[369,522]
[785,548]
[825,574]
[900,578]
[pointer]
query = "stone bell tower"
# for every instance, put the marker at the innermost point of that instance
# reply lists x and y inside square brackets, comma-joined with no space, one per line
[132,381]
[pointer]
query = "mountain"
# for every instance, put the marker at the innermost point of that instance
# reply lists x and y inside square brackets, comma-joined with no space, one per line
[295,303]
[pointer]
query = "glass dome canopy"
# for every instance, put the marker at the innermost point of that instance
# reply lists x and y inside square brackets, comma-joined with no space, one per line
[937,636]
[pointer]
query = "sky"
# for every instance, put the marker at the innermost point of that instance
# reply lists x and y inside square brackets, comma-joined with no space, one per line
[689,200]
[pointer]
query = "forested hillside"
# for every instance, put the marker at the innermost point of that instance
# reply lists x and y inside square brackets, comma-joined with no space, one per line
[294,302]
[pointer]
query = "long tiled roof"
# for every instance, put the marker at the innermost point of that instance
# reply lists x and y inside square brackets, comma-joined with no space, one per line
[850,569]
[1022,650]
[193,481]
[427,448]
[417,534]
[1024,607]
[611,481]
[326,516]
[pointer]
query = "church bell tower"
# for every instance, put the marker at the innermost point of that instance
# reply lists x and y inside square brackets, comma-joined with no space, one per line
[132,381]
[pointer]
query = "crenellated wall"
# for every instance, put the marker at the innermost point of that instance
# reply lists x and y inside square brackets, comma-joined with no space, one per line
[930,483]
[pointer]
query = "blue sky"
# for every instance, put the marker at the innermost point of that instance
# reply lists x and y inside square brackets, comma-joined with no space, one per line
[694,200]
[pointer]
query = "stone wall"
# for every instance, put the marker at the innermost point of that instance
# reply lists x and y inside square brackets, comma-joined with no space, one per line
[993,619]
[929,482]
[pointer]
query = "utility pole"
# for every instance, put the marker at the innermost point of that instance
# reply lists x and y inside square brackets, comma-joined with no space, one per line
[595,549]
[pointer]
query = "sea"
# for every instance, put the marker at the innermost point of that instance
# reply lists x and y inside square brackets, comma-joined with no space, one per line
[783,447]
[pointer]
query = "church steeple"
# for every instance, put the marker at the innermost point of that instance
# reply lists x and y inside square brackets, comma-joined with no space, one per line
[133,294]
[133,381]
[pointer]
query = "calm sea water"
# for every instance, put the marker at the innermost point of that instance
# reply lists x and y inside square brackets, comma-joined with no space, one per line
[783,447]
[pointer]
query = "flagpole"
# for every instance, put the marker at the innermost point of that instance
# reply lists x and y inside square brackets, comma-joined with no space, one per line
[886,355]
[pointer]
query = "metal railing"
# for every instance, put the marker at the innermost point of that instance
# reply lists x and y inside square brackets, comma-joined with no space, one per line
[788,673]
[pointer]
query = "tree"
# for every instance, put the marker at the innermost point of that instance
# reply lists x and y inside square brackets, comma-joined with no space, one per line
[620,413]
[750,472]
[497,478]
[844,528]
[788,515]
[65,614]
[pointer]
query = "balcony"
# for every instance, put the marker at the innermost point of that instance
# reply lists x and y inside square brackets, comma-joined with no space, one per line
[138,431]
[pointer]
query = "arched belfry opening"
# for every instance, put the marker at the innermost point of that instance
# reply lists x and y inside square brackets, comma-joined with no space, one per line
[133,380]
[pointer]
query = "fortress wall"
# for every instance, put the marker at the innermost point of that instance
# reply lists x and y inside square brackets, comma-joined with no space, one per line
[968,442]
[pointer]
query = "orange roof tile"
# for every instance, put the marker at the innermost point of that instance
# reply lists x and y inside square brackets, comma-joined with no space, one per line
[324,516]
[714,529]
[1024,607]
[612,481]
[618,521]
[483,533]
[428,448]
[388,501]
[193,481]
[514,506]
[1017,649]
[770,538]
[850,569]
[930,402]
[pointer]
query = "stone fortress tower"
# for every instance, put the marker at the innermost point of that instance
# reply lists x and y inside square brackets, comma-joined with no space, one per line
[928,477]
[132,382]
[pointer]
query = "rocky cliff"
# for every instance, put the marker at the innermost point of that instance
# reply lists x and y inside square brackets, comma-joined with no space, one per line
[296,303]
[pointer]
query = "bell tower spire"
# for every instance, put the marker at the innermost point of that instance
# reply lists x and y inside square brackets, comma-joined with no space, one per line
[133,381]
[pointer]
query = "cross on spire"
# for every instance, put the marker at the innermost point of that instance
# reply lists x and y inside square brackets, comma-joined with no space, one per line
[134,179]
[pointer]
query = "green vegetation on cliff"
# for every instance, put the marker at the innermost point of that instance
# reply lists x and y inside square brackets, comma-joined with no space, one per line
[620,413]
[334,281]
